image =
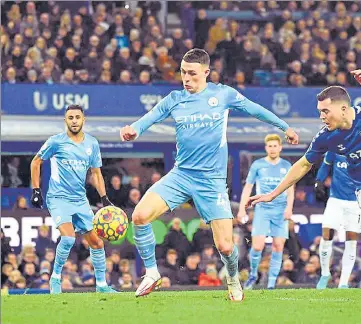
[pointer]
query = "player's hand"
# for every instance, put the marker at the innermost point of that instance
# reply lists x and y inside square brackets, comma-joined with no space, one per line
[127,133]
[37,198]
[254,200]
[320,191]
[357,75]
[291,136]
[288,213]
[241,214]
[106,202]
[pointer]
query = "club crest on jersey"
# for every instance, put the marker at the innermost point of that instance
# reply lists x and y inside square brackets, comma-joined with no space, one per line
[283,171]
[88,151]
[213,101]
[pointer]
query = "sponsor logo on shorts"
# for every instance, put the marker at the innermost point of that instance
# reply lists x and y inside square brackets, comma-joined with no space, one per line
[223,201]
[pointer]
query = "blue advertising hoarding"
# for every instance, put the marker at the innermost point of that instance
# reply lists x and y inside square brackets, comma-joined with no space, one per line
[135,100]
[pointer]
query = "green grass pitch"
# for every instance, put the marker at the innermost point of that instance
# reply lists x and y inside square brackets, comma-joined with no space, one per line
[260,306]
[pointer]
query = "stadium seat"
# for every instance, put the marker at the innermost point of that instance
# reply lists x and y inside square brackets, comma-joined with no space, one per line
[192,227]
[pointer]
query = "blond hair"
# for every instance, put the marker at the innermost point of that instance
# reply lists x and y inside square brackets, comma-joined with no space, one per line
[273,137]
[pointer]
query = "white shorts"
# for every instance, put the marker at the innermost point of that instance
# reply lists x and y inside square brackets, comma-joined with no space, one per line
[342,214]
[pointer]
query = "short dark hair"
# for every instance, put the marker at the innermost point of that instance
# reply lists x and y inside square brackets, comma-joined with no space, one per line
[74,107]
[197,55]
[335,93]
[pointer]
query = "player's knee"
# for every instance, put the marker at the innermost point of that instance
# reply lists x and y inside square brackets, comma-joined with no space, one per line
[96,243]
[225,247]
[141,217]
[277,246]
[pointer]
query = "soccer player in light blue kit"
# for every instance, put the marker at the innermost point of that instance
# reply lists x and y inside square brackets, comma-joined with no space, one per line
[269,219]
[71,155]
[200,112]
[341,209]
[341,135]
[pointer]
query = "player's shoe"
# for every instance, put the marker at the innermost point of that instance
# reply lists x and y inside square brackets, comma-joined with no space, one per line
[106,290]
[343,287]
[148,284]
[55,286]
[250,282]
[235,292]
[322,283]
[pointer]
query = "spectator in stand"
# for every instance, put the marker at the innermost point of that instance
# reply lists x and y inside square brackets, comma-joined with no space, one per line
[155,177]
[6,249]
[43,241]
[117,192]
[308,275]
[176,239]
[209,256]
[202,237]
[144,78]
[133,198]
[21,203]
[288,271]
[293,245]
[209,278]
[10,76]
[189,274]
[169,266]
[126,281]
[30,273]
[303,259]
[6,272]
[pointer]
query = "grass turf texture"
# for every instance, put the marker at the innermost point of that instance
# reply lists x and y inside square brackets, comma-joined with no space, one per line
[260,306]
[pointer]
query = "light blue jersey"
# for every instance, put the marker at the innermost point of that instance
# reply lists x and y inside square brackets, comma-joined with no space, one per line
[342,186]
[201,126]
[267,177]
[70,162]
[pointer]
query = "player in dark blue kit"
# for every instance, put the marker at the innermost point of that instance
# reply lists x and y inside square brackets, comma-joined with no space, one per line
[341,135]
[200,112]
[72,153]
[341,209]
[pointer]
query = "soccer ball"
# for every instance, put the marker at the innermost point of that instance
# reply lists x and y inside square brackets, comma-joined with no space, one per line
[110,223]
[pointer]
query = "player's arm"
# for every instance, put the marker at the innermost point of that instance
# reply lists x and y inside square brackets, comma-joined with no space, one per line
[156,115]
[99,185]
[290,201]
[97,176]
[246,193]
[35,168]
[247,190]
[315,152]
[322,174]
[45,153]
[239,102]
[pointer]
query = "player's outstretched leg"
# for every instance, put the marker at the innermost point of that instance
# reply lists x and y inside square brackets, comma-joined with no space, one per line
[348,262]
[149,208]
[97,257]
[62,254]
[325,251]
[222,234]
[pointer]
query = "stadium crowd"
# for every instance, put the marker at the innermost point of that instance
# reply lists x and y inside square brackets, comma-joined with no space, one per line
[180,261]
[110,43]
